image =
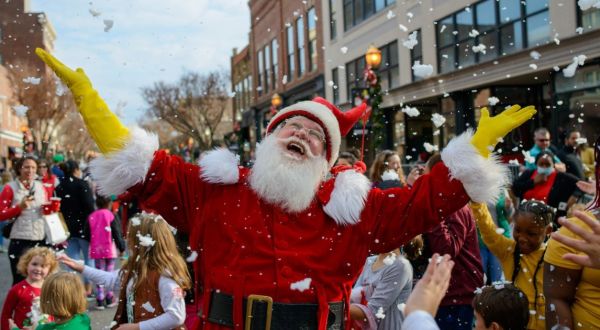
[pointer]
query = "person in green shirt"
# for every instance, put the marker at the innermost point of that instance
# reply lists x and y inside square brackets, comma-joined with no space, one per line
[67,309]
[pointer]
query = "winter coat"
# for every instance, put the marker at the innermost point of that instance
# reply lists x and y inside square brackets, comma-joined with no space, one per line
[76,205]
[105,235]
[29,224]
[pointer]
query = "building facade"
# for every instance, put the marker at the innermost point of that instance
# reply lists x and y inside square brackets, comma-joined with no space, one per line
[286,51]
[511,50]
[21,31]
[241,85]
[11,136]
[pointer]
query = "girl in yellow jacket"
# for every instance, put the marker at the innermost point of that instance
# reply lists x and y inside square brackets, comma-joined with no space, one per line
[522,257]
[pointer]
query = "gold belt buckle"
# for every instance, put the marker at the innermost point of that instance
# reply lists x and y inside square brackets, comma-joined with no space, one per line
[251,299]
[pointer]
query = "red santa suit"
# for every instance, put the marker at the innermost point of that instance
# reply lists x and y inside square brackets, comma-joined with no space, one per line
[247,246]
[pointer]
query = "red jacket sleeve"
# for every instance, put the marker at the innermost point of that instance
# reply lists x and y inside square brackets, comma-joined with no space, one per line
[395,216]
[6,210]
[173,189]
[8,308]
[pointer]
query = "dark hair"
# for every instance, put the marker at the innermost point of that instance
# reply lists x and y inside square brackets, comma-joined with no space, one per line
[21,161]
[545,153]
[434,159]
[69,167]
[595,204]
[348,156]
[504,304]
[102,202]
[543,216]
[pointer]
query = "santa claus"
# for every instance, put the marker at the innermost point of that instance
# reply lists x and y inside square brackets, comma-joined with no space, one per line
[280,245]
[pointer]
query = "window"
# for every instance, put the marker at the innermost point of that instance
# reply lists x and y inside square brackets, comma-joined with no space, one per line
[267,72]
[588,19]
[388,70]
[504,26]
[336,91]
[312,39]
[354,75]
[416,54]
[261,67]
[274,62]
[332,20]
[300,40]
[356,11]
[290,53]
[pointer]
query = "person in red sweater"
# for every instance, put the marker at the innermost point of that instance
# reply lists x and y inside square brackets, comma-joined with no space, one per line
[456,236]
[36,264]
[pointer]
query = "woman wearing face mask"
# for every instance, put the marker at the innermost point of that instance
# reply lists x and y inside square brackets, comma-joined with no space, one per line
[544,183]
[21,202]
[77,203]
[386,170]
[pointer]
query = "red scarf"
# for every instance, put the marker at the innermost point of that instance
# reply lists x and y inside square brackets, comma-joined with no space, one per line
[541,190]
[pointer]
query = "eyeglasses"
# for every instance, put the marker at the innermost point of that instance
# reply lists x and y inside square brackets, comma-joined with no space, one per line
[312,133]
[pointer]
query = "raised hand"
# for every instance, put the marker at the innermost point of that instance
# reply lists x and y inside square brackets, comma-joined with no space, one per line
[72,78]
[431,288]
[105,128]
[590,245]
[74,265]
[491,129]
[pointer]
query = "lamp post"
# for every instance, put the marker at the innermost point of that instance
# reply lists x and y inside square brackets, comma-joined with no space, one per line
[373,60]
[276,101]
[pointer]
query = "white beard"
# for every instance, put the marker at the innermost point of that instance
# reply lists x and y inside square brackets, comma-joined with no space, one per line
[279,179]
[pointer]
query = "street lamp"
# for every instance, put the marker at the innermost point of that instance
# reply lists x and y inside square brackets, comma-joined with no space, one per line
[276,100]
[371,78]
[373,57]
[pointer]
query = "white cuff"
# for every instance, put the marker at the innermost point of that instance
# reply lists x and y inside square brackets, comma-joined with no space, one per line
[121,170]
[483,178]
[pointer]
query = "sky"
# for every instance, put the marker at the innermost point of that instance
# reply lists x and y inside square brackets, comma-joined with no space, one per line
[150,41]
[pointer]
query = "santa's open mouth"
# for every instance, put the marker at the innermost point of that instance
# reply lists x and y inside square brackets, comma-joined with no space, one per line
[296,148]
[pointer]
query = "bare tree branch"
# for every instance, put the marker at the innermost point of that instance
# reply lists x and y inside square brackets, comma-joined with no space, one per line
[47,101]
[194,106]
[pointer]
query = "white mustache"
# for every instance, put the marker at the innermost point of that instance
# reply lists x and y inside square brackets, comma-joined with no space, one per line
[303,143]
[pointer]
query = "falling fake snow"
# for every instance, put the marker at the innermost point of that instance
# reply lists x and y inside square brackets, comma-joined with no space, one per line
[301,285]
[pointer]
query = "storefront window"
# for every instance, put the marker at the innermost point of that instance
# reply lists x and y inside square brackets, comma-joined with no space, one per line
[517,24]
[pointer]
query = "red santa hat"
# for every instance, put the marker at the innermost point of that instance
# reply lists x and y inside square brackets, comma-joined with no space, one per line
[334,122]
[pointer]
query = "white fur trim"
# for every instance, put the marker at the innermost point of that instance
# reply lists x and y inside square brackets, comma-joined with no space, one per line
[325,115]
[118,171]
[482,178]
[348,197]
[220,166]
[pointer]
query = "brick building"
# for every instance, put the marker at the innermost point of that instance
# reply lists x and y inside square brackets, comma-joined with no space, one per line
[11,137]
[241,84]
[21,31]
[286,48]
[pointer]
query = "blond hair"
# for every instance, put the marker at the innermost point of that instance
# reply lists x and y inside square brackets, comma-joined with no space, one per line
[152,248]
[44,252]
[63,295]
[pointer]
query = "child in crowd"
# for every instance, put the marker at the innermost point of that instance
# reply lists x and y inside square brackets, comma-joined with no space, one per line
[384,284]
[152,280]
[501,307]
[521,258]
[63,297]
[36,264]
[105,239]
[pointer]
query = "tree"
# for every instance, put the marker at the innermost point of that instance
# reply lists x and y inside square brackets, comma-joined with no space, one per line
[73,136]
[194,106]
[45,100]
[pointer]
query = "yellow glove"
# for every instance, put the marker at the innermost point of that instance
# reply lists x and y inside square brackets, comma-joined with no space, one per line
[105,128]
[491,129]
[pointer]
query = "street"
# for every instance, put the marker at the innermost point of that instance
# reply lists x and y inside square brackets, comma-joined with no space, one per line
[100,319]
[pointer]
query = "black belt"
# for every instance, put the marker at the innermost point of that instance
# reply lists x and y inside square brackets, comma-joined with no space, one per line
[283,316]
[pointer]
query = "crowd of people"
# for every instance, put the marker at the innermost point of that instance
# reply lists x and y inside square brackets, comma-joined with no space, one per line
[301,242]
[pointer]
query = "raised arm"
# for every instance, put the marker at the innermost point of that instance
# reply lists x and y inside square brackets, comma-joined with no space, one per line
[467,172]
[128,155]
[493,239]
